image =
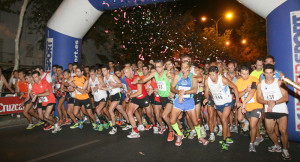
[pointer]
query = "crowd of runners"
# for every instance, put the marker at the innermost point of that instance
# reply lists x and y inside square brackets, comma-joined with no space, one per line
[182,100]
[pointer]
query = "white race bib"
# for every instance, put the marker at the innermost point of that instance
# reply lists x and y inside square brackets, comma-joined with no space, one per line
[43,99]
[161,85]
[134,91]
[185,89]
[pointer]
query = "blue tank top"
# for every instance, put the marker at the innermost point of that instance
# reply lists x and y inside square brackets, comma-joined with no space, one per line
[185,84]
[124,86]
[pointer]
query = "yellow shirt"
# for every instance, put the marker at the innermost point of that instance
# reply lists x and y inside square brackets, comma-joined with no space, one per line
[256,73]
[242,85]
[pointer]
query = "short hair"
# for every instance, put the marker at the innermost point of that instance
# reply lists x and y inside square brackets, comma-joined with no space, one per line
[213,69]
[67,70]
[55,65]
[171,61]
[105,67]
[92,69]
[80,68]
[59,67]
[87,67]
[39,67]
[36,72]
[75,64]
[118,68]
[22,71]
[159,61]
[147,66]
[244,67]
[111,61]
[269,66]
[151,66]
[259,59]
[70,64]
[271,57]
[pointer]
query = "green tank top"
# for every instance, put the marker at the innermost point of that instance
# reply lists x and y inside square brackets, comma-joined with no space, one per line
[163,85]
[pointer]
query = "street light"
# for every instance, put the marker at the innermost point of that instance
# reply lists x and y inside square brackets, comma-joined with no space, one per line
[227,43]
[228,16]
[244,41]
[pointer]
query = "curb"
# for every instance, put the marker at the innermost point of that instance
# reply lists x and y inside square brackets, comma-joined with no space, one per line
[14,122]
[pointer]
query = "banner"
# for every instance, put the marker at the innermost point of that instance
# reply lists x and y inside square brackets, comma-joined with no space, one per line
[10,105]
[295,35]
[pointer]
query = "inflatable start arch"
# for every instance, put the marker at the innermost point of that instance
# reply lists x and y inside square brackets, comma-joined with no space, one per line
[74,18]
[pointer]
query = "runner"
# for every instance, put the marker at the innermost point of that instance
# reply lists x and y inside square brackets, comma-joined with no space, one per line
[219,86]
[3,82]
[138,96]
[258,68]
[163,79]
[60,96]
[247,86]
[43,90]
[82,100]
[27,104]
[273,94]
[184,86]
[113,85]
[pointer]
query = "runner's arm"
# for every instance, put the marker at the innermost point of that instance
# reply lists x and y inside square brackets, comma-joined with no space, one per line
[174,83]
[284,92]
[259,95]
[231,85]
[151,75]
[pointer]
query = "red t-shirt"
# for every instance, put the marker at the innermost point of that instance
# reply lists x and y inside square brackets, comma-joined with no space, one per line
[133,87]
[40,88]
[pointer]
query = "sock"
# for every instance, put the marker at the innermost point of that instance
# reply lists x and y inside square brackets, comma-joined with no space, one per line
[176,128]
[197,128]
[135,129]
[154,125]
[220,127]
[244,121]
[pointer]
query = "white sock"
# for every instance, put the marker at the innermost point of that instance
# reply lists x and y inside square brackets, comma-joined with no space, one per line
[220,127]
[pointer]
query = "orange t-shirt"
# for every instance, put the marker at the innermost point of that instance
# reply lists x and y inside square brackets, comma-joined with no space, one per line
[242,85]
[23,87]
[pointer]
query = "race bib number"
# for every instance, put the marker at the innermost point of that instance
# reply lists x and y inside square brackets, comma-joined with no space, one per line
[43,99]
[161,86]
[185,89]
[270,96]
[245,96]
[218,96]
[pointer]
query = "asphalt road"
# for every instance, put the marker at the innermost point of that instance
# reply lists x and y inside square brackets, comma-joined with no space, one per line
[19,144]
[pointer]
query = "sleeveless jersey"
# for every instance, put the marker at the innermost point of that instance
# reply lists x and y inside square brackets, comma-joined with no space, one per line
[134,89]
[185,84]
[23,87]
[79,82]
[112,91]
[220,92]
[163,85]
[98,94]
[276,75]
[272,92]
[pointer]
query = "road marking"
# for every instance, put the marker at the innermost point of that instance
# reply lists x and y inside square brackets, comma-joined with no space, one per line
[62,151]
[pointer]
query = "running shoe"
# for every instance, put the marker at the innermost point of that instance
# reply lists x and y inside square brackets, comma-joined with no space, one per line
[203,141]
[123,124]
[39,123]
[95,126]
[234,129]
[178,140]
[212,138]
[216,129]
[128,126]
[113,131]
[133,134]
[274,148]
[171,136]
[100,127]
[258,141]
[192,134]
[141,128]
[285,154]
[30,126]
[75,125]
[67,122]
[203,132]
[80,126]
[224,146]
[49,127]
[162,130]
[252,147]
[148,127]
[206,127]
[220,133]
[106,125]
[229,140]
[61,122]
[246,127]
[155,130]
[110,123]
